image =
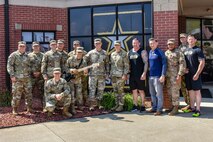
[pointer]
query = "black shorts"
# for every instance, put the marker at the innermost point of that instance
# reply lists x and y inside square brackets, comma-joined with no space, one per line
[136,83]
[193,84]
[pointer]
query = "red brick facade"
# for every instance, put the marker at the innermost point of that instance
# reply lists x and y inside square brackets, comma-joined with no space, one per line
[165,27]
[31,18]
[2,50]
[37,18]
[182,24]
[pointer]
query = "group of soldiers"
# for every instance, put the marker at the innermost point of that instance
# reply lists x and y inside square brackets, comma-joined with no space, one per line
[45,73]
[63,79]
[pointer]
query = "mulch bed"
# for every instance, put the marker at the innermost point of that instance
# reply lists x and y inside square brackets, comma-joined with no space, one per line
[8,120]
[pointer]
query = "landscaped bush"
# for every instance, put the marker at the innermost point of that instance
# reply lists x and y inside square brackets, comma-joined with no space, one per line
[108,100]
[128,102]
[5,98]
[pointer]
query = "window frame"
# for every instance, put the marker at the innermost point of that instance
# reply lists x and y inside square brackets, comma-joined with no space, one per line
[143,34]
[34,31]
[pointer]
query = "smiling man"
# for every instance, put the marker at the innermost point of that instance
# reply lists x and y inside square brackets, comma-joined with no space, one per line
[57,94]
[18,66]
[176,65]
[195,61]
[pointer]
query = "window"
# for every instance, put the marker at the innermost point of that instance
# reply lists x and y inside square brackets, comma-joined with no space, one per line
[130,18]
[80,22]
[111,22]
[40,36]
[104,20]
[203,31]
[122,22]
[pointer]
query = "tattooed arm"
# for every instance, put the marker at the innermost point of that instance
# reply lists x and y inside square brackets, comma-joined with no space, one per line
[145,60]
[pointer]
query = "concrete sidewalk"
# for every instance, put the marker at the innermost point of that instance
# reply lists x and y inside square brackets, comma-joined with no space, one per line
[119,127]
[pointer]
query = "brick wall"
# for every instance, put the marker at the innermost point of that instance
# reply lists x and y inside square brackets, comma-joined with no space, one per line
[37,18]
[182,24]
[165,27]
[31,18]
[2,50]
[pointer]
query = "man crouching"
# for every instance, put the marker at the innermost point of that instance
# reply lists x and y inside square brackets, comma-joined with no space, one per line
[57,94]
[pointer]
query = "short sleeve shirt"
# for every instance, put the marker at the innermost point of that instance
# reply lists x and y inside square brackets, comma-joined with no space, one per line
[193,56]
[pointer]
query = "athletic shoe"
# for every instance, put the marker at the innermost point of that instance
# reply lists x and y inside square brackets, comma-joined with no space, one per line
[196,114]
[142,108]
[189,110]
[135,108]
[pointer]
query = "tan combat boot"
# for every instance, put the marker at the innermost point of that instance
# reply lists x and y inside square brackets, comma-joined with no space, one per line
[66,112]
[72,109]
[119,108]
[115,107]
[174,111]
[91,105]
[44,110]
[15,112]
[99,105]
[30,110]
[49,113]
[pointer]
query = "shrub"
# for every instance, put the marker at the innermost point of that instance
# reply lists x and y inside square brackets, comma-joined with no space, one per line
[128,102]
[5,98]
[108,100]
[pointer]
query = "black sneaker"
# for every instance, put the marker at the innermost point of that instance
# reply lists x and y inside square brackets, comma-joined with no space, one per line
[134,109]
[142,108]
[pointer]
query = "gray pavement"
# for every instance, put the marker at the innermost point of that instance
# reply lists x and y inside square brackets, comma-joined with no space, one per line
[119,127]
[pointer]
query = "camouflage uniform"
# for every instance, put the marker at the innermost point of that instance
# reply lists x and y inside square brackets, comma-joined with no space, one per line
[52,59]
[119,66]
[35,61]
[84,79]
[184,91]
[97,75]
[65,56]
[18,66]
[52,88]
[76,83]
[176,66]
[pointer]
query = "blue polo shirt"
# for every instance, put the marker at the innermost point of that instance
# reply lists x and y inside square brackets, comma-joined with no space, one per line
[157,63]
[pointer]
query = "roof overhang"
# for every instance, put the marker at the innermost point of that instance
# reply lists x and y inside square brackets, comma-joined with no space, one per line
[196,8]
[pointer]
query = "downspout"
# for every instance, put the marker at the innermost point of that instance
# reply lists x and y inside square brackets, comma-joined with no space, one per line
[7,39]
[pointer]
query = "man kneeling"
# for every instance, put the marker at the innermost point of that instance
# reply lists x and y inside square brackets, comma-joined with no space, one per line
[57,94]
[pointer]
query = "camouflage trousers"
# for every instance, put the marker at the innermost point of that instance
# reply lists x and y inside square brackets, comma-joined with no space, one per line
[39,84]
[96,83]
[76,93]
[173,90]
[22,86]
[51,104]
[118,88]
[84,82]
[45,99]
[184,91]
